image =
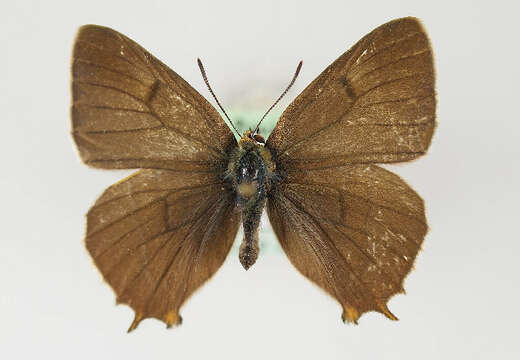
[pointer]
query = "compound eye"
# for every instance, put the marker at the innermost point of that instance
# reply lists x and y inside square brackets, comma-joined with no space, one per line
[259,139]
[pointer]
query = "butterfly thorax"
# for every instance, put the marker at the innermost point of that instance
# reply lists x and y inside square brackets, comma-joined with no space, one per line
[251,171]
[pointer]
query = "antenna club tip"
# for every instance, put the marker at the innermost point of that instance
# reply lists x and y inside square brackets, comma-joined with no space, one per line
[298,69]
[201,67]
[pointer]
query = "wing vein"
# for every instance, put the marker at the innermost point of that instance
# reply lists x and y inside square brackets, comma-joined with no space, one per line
[361,76]
[170,192]
[94,132]
[106,53]
[388,47]
[368,256]
[169,263]
[357,162]
[120,238]
[201,162]
[333,247]
[342,116]
[85,61]
[363,94]
[202,244]
[127,215]
[139,100]
[105,107]
[366,200]
[395,101]
[187,136]
[130,46]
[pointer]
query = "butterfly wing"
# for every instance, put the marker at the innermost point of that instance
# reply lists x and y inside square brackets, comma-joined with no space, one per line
[374,104]
[353,230]
[160,234]
[352,227]
[129,110]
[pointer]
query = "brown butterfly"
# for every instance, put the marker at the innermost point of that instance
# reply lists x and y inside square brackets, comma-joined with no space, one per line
[350,226]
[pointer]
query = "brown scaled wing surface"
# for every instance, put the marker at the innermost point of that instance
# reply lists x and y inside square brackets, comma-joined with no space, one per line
[161,233]
[131,111]
[352,227]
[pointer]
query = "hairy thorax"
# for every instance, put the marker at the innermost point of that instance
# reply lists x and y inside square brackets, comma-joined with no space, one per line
[251,171]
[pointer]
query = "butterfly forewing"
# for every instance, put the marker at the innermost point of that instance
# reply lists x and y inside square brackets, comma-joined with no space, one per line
[131,111]
[351,227]
[374,104]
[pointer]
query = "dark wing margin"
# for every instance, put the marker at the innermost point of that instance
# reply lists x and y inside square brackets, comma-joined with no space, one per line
[353,230]
[129,110]
[374,104]
[158,235]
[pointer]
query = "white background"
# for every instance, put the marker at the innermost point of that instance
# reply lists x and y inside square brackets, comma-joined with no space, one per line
[463,295]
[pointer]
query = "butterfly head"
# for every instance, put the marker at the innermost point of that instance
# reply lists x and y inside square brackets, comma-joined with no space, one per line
[254,137]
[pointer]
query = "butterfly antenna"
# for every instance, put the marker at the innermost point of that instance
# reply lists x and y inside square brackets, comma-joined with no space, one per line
[281,96]
[203,72]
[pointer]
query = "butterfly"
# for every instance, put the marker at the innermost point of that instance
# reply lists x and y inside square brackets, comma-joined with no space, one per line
[348,225]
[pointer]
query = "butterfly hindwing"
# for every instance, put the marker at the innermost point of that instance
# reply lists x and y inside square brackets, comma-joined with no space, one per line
[159,235]
[353,230]
[129,110]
